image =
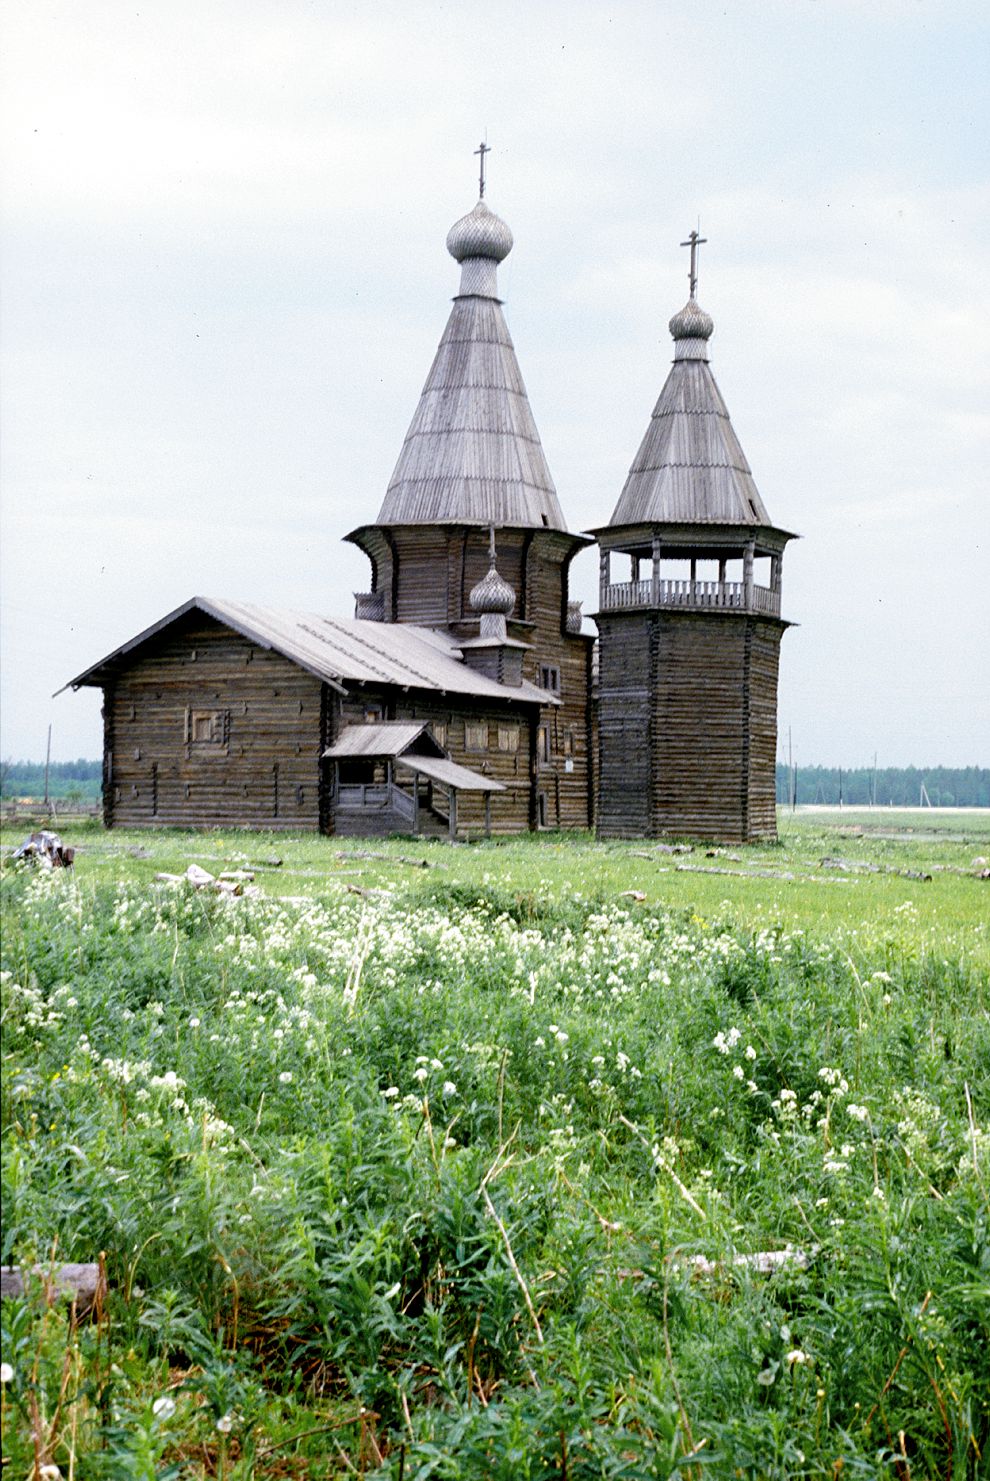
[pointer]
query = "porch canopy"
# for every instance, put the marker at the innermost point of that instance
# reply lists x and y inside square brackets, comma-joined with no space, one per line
[405,746]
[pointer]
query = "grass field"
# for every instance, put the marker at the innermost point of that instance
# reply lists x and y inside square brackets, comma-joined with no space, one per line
[457,1161]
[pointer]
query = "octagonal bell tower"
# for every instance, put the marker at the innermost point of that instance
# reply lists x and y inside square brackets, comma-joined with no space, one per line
[690,630]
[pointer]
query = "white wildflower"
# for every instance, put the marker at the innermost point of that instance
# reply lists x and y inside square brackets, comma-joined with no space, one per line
[6,1373]
[225,1424]
[163,1408]
[285,1078]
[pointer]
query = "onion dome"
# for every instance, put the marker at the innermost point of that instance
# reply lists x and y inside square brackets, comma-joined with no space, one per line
[479,234]
[493,594]
[692,322]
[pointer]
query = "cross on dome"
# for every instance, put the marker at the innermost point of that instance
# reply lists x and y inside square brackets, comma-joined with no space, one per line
[694,241]
[482,149]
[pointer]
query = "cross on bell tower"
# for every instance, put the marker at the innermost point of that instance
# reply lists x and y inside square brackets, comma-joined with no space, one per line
[694,241]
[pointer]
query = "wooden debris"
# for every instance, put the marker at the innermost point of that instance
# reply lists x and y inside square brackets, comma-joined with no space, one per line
[391,859]
[45,848]
[235,882]
[82,1284]
[663,848]
[636,895]
[863,866]
[733,873]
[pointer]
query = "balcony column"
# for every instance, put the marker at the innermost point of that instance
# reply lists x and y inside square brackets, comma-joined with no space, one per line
[748,554]
[775,570]
[634,572]
[604,576]
[655,579]
[721,583]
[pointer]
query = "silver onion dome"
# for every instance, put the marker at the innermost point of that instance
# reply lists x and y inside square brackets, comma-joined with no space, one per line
[493,594]
[692,322]
[479,234]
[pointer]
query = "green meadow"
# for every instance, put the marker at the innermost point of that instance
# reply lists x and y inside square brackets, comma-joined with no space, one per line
[535,1158]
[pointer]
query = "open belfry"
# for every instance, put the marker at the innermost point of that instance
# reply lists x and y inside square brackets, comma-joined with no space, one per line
[461,698]
[689,638]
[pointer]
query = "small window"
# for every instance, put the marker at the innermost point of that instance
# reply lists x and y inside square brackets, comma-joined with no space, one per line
[542,812]
[372,714]
[543,744]
[568,743]
[207,727]
[475,737]
[508,738]
[550,677]
[439,730]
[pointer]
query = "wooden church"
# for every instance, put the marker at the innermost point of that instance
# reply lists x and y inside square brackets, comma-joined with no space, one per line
[463,696]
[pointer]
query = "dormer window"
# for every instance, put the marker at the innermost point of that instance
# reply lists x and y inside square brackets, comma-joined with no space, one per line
[550,678]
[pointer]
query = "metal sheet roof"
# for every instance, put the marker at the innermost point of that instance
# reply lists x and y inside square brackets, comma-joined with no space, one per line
[449,774]
[690,468]
[384,738]
[341,651]
[472,452]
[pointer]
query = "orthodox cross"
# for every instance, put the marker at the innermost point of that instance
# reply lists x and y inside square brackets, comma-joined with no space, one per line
[694,241]
[482,149]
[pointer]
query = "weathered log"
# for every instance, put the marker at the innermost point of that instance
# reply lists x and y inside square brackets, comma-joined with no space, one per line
[391,859]
[863,866]
[83,1284]
[733,873]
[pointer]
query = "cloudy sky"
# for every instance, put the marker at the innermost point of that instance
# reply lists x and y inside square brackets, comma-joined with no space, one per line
[225,278]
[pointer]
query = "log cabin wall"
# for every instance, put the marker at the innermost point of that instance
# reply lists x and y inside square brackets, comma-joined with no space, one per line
[207,729]
[687,725]
[625,753]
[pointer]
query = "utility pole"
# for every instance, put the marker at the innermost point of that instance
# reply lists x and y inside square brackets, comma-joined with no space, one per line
[48,759]
[840,786]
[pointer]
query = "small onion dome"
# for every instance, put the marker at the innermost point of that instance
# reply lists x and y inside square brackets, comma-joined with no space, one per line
[492,594]
[479,234]
[692,322]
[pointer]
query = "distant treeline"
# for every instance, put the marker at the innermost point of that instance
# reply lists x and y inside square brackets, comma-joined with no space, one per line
[900,786]
[897,786]
[68,781]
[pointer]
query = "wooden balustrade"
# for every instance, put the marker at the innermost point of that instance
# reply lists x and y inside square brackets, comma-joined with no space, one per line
[697,595]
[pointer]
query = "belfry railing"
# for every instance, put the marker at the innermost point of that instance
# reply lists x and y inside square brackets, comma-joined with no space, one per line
[696,595]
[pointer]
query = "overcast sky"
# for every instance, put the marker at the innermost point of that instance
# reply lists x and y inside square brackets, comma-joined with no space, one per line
[225,279]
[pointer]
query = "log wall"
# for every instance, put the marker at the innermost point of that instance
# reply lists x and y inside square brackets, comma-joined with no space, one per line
[261,769]
[687,725]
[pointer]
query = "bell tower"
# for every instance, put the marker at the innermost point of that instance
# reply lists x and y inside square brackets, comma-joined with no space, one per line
[690,630]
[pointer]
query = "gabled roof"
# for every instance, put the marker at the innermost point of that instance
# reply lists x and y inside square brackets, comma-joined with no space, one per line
[690,468]
[381,738]
[472,454]
[412,747]
[338,651]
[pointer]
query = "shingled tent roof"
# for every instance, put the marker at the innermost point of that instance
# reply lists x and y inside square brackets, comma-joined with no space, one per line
[472,454]
[690,468]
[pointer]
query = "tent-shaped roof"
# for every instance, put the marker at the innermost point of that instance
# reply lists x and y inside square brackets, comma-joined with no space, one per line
[338,651]
[690,468]
[472,454]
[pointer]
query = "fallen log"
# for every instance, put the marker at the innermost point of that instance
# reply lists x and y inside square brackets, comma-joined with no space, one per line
[863,866]
[733,873]
[83,1285]
[392,859]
